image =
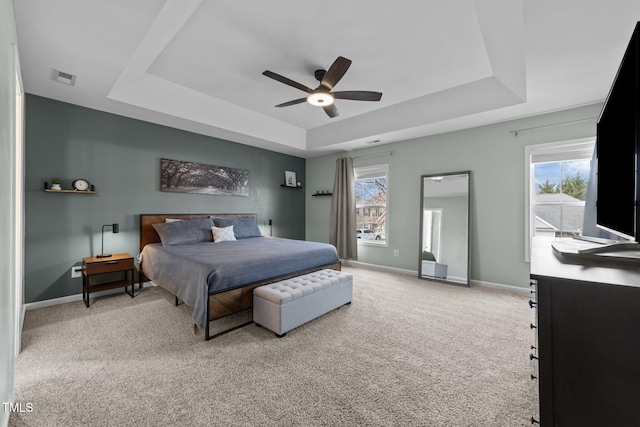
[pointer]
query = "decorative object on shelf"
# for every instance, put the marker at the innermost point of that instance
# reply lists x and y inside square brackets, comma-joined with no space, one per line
[80,185]
[55,184]
[290,179]
[322,193]
[179,176]
[115,228]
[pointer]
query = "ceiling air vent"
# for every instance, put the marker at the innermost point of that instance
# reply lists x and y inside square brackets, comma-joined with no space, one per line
[62,77]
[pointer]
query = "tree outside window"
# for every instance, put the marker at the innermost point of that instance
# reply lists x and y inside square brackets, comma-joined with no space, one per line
[560,193]
[556,176]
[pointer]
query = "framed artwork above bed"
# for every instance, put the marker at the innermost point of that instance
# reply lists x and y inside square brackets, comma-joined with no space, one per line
[178,176]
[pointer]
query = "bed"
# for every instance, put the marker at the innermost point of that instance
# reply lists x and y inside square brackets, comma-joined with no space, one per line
[218,279]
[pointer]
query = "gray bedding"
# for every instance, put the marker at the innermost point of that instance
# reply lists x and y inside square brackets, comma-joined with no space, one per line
[191,272]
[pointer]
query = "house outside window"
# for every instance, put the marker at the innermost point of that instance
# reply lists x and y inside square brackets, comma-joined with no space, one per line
[556,184]
[371,191]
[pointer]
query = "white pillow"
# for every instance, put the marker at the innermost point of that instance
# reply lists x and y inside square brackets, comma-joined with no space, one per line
[223,234]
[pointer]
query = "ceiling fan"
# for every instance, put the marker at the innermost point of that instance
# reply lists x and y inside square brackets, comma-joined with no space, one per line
[323,96]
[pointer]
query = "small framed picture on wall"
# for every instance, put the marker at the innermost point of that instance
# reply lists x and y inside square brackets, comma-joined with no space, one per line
[290,179]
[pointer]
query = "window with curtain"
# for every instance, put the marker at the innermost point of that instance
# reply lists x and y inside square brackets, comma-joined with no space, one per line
[557,176]
[371,193]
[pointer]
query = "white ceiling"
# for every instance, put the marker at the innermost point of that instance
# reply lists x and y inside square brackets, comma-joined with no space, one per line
[441,65]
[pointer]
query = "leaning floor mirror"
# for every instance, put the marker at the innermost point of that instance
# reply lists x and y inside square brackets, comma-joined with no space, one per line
[444,227]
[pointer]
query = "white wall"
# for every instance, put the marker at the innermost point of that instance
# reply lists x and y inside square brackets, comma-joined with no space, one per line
[8,37]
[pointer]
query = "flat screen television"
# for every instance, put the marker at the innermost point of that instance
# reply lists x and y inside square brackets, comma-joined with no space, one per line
[617,148]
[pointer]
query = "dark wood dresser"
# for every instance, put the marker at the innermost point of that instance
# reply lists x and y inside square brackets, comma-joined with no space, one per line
[588,338]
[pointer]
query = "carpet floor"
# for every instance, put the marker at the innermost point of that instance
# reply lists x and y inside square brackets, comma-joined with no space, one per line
[407,352]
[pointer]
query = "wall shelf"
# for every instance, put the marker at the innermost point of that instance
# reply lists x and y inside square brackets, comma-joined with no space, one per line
[70,191]
[293,188]
[322,194]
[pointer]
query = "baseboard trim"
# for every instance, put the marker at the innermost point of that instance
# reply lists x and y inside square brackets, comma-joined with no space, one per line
[379,267]
[472,282]
[72,298]
[510,288]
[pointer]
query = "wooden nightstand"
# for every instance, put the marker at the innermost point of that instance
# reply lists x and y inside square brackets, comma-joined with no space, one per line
[94,267]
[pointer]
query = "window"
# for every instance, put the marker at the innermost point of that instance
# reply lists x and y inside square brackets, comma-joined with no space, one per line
[371,185]
[557,178]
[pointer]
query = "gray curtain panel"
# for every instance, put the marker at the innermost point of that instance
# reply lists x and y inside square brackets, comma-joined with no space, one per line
[343,211]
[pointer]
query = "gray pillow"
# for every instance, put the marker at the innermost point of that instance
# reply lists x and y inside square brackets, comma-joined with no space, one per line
[243,227]
[185,232]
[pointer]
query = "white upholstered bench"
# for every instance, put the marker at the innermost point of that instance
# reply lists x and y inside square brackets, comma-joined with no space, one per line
[285,305]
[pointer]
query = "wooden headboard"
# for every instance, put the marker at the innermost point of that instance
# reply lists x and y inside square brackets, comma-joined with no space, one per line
[148,233]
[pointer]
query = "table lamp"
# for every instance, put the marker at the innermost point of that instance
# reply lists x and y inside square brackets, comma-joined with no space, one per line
[115,228]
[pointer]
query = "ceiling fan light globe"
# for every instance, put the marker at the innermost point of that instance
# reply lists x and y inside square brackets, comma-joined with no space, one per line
[320,99]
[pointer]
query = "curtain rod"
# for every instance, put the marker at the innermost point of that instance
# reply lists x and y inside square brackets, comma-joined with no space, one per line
[382,153]
[517,131]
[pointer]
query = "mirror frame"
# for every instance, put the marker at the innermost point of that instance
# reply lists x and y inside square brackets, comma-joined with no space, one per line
[420,243]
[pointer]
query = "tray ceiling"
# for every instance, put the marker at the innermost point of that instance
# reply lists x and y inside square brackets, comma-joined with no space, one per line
[441,66]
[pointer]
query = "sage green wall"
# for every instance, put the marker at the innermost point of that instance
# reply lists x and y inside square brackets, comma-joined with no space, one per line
[8,36]
[121,157]
[495,158]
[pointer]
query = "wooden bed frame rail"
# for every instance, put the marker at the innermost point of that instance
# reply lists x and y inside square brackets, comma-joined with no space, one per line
[225,303]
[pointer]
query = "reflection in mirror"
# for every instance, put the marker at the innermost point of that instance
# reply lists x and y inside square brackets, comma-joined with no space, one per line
[432,226]
[444,228]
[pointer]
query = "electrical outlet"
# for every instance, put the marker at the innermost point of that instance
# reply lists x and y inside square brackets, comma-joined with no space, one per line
[76,271]
[396,252]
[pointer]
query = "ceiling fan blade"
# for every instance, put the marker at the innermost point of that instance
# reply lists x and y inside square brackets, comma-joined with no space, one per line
[287,81]
[335,72]
[294,102]
[357,95]
[331,110]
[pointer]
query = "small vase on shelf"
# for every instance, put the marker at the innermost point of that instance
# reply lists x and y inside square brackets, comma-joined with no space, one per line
[55,184]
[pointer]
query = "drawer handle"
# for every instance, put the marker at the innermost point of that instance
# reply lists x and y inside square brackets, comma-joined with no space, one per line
[532,304]
[531,357]
[533,377]
[112,262]
[532,326]
[534,421]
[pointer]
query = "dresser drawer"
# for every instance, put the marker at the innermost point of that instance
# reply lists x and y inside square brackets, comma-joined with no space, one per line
[108,266]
